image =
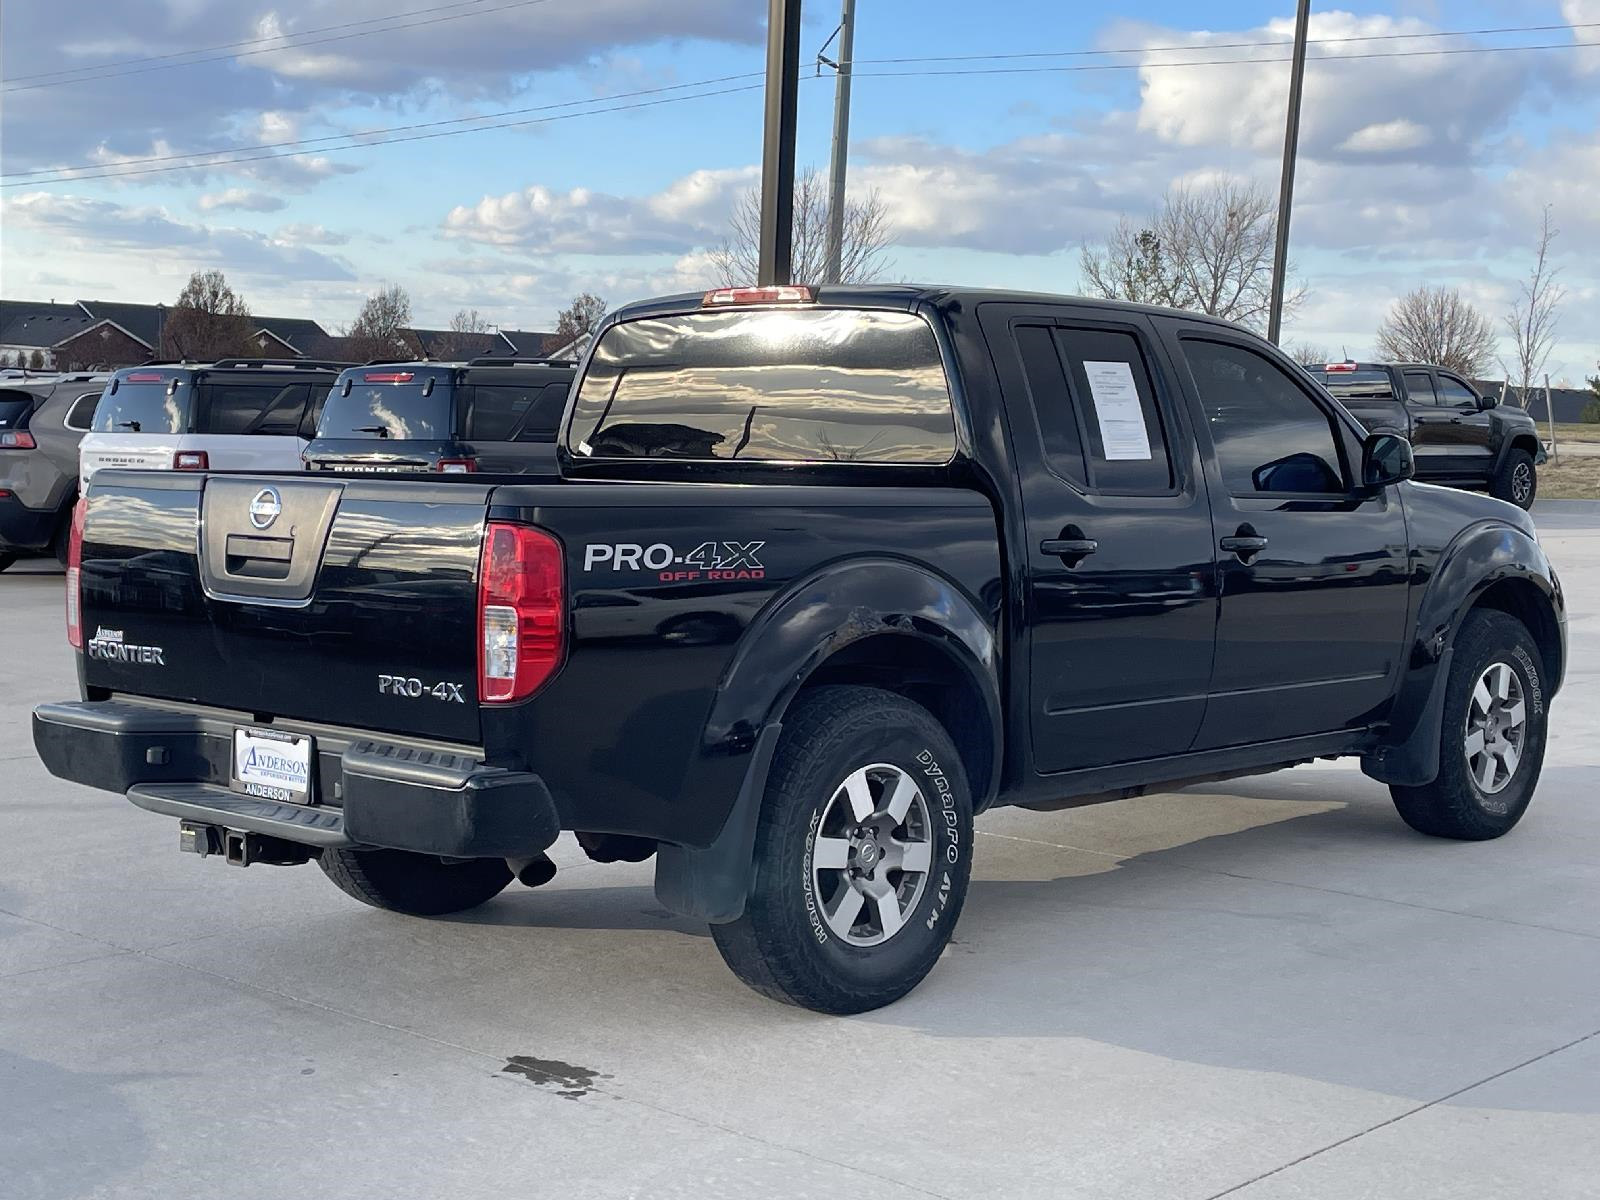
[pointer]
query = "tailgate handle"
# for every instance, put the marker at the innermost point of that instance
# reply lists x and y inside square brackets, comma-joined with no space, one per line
[259,557]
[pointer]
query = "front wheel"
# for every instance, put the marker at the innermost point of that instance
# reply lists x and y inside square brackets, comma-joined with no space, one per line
[862,854]
[1492,745]
[419,884]
[1517,481]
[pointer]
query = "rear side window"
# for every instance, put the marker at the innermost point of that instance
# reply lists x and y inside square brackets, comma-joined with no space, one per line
[777,385]
[143,408]
[412,411]
[1269,434]
[15,408]
[253,408]
[81,414]
[515,412]
[1359,385]
[1098,416]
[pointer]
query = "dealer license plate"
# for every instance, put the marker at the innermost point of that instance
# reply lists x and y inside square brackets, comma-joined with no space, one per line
[272,765]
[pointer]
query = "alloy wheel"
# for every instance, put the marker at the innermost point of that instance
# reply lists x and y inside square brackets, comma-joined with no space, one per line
[871,853]
[1497,728]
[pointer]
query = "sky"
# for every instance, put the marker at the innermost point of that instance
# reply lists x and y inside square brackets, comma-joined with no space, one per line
[1000,137]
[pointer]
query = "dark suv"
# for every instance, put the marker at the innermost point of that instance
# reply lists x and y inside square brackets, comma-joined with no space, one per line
[1460,437]
[42,420]
[492,415]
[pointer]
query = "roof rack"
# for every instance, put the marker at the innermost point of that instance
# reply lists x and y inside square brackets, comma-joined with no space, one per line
[520,360]
[317,364]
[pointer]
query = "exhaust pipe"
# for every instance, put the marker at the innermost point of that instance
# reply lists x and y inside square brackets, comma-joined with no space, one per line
[532,872]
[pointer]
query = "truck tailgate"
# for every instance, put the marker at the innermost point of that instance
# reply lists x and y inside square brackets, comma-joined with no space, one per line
[343,601]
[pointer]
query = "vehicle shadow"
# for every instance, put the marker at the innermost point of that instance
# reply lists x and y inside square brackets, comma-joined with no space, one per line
[1315,938]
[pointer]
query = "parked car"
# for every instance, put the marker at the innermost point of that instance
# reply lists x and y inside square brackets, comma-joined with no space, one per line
[42,420]
[494,415]
[235,414]
[908,553]
[1460,437]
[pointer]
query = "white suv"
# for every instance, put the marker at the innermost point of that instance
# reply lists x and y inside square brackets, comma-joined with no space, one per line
[236,414]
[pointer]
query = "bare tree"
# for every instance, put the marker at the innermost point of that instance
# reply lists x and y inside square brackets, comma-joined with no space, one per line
[1533,316]
[1208,249]
[579,320]
[465,338]
[381,328]
[1435,325]
[863,257]
[1309,354]
[209,321]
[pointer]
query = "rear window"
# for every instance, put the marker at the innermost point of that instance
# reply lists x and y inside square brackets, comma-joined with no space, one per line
[400,411]
[143,408]
[789,385]
[15,408]
[1359,385]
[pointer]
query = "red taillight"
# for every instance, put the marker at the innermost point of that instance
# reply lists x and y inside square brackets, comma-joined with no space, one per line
[191,460]
[457,466]
[521,612]
[143,377]
[19,439]
[387,377]
[74,577]
[784,294]
[1345,368]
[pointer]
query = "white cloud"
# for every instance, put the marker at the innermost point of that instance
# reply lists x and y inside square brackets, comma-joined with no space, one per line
[240,200]
[106,230]
[1387,137]
[1585,12]
[309,235]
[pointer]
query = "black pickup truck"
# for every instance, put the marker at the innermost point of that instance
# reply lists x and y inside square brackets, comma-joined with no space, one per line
[823,575]
[1459,437]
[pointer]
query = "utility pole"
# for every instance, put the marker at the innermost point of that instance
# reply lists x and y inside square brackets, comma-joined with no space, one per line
[841,141]
[777,162]
[1291,147]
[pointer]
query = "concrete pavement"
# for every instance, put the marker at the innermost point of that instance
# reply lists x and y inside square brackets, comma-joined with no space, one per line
[1267,989]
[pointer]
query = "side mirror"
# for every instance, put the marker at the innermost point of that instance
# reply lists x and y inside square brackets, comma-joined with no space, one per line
[1488,401]
[1385,459]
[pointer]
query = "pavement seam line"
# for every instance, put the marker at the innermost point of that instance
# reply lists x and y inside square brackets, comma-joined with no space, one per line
[76,962]
[494,1058]
[1410,1112]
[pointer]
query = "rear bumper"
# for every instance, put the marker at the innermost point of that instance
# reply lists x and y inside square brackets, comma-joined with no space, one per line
[24,528]
[175,760]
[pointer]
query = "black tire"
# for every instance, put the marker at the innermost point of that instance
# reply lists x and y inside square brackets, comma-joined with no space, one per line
[1455,805]
[61,544]
[6,560]
[1517,481]
[418,884]
[783,946]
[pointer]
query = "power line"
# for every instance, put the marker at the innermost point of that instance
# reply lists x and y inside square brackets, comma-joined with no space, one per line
[133,62]
[343,37]
[1331,41]
[215,158]
[416,137]
[359,138]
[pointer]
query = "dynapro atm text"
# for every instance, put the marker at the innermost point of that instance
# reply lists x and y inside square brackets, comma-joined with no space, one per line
[708,560]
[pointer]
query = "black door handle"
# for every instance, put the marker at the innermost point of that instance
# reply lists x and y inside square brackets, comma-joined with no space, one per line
[1245,545]
[1069,549]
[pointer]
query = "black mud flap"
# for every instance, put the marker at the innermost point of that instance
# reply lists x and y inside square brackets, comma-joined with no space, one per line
[1415,761]
[712,884]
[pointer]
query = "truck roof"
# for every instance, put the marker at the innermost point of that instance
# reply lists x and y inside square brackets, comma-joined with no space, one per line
[905,296]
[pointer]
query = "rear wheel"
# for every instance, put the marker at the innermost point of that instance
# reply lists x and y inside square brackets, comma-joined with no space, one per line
[862,855]
[1492,745]
[1517,481]
[6,560]
[419,884]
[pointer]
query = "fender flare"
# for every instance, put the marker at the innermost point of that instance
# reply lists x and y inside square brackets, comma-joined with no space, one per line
[1481,556]
[838,605]
[1508,444]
